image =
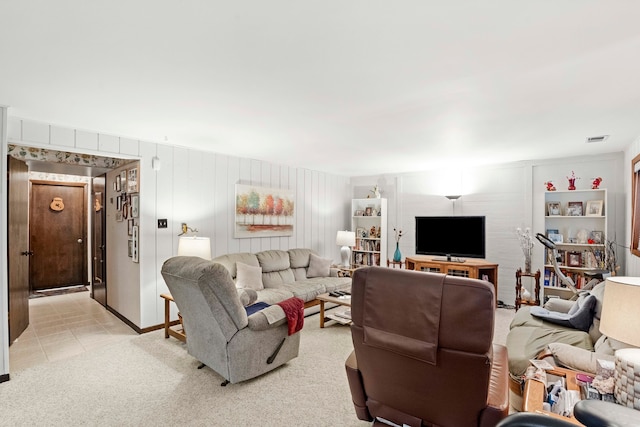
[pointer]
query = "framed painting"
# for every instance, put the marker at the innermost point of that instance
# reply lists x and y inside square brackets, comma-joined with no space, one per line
[263,212]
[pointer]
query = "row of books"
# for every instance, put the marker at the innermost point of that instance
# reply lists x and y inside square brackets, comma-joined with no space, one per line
[367,245]
[360,258]
[551,279]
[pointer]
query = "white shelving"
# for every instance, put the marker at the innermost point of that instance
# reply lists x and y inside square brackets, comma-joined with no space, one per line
[369,221]
[583,236]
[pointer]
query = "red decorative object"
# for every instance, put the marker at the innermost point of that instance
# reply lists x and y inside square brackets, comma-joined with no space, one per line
[550,186]
[572,181]
[596,183]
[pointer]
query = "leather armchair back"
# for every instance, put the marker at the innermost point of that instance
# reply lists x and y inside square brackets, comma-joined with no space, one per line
[423,345]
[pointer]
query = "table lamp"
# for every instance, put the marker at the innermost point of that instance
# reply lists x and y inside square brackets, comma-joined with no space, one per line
[346,239]
[620,320]
[194,246]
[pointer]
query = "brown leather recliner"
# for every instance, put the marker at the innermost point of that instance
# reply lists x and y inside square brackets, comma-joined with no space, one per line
[423,352]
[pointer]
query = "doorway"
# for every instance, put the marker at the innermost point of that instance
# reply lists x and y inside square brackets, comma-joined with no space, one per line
[57,235]
[99,243]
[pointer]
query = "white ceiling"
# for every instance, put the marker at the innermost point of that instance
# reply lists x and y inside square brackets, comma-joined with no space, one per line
[352,87]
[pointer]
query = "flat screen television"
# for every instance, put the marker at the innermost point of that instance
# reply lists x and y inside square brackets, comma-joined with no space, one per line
[451,236]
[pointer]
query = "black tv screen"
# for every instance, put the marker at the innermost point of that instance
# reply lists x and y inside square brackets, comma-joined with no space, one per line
[456,236]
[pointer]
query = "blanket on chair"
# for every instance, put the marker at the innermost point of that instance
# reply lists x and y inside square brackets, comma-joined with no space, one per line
[294,310]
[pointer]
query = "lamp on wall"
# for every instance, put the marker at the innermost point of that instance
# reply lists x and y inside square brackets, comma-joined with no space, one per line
[453,198]
[620,320]
[195,246]
[346,239]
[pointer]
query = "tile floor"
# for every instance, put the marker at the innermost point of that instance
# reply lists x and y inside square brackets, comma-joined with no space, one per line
[63,326]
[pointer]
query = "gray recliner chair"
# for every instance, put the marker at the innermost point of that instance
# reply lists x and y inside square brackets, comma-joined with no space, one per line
[423,352]
[219,332]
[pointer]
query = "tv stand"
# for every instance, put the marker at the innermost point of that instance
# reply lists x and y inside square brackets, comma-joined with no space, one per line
[471,267]
[449,258]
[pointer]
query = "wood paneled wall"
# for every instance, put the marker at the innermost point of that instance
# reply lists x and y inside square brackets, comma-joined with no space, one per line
[198,188]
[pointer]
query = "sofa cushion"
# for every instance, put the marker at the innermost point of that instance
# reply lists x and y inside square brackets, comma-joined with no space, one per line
[526,342]
[299,261]
[318,267]
[273,295]
[579,316]
[275,268]
[249,276]
[273,260]
[306,289]
[576,358]
[229,261]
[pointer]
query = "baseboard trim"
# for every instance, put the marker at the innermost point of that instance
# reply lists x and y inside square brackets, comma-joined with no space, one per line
[4,378]
[133,326]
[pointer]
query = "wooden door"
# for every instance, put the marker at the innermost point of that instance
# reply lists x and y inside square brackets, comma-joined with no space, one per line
[99,241]
[18,247]
[57,234]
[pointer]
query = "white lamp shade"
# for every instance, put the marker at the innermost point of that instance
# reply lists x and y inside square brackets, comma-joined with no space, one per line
[620,319]
[195,246]
[346,238]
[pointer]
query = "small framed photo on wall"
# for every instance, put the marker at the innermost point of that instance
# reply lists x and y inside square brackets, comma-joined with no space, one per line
[132,180]
[135,206]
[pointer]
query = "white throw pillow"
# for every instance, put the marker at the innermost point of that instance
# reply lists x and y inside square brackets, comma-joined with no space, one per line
[318,267]
[249,277]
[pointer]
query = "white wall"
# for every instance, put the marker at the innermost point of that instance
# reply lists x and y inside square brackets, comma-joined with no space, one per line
[195,187]
[509,195]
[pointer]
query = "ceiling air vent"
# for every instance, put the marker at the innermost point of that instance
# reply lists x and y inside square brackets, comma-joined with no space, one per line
[593,139]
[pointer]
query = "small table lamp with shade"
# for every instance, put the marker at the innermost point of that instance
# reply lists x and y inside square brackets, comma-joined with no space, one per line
[620,320]
[346,239]
[195,246]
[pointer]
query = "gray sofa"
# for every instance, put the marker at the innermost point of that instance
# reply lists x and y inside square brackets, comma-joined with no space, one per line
[288,273]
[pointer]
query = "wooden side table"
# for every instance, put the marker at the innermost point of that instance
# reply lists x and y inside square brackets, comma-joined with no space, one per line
[519,300]
[168,323]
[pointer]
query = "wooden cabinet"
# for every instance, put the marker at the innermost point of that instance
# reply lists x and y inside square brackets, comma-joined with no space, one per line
[576,221]
[369,221]
[472,268]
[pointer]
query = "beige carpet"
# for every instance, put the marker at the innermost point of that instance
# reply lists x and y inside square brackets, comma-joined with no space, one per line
[149,380]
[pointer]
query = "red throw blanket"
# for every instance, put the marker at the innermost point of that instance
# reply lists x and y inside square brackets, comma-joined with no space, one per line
[294,310]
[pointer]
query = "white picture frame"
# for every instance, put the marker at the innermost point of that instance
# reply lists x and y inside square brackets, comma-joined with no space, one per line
[594,207]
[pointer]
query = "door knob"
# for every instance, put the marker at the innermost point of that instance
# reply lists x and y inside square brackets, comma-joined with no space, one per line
[79,240]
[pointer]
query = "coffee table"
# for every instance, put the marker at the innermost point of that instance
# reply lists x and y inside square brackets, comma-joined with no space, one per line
[324,298]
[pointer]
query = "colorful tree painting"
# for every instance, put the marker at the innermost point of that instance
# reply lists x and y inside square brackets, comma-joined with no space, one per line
[263,212]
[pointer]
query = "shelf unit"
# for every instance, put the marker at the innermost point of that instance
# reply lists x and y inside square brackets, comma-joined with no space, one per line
[370,249]
[577,255]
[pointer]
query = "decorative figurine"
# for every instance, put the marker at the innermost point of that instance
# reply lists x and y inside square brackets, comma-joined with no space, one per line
[376,191]
[596,183]
[550,186]
[572,181]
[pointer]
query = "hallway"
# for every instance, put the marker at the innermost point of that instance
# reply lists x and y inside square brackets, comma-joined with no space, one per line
[63,326]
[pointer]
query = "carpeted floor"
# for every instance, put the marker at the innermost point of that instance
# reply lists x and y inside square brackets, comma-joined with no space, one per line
[149,380]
